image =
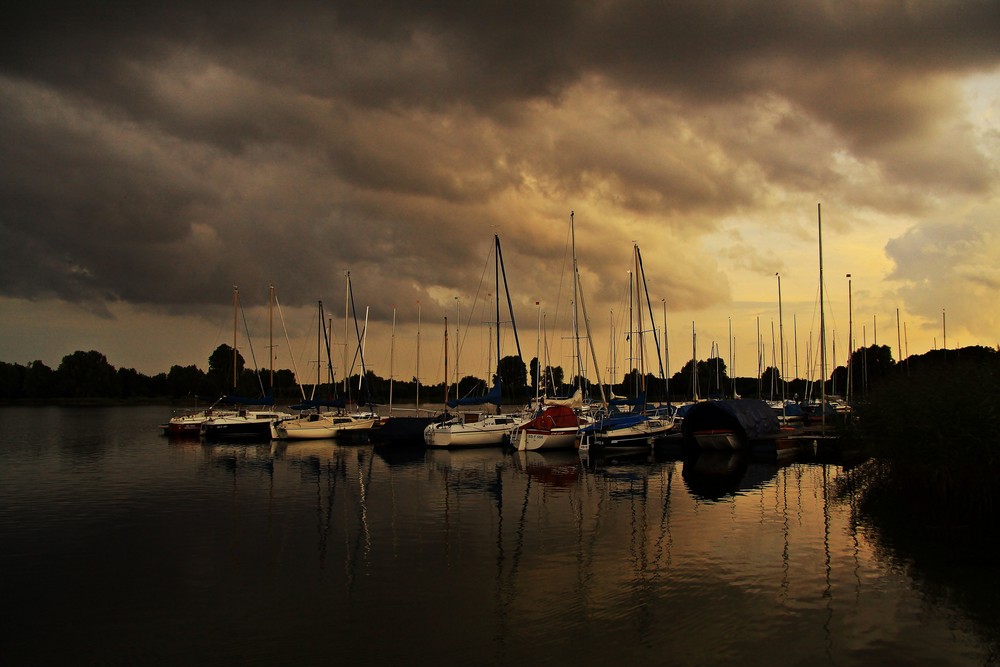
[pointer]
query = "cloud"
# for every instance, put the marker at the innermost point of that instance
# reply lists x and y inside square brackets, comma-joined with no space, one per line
[156,155]
[950,266]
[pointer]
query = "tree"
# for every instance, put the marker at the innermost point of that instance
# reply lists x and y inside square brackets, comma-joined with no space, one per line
[533,369]
[86,375]
[39,380]
[11,380]
[552,378]
[514,377]
[131,383]
[771,382]
[220,369]
[185,380]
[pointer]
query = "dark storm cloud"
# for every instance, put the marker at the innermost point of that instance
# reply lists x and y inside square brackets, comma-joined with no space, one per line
[158,154]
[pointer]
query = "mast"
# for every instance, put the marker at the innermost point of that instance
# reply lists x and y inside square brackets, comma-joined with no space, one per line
[694,363]
[666,354]
[392,351]
[850,338]
[732,363]
[649,306]
[418,357]
[347,313]
[496,283]
[236,304]
[319,334]
[447,385]
[578,359]
[631,336]
[781,345]
[538,352]
[586,320]
[270,342]
[822,322]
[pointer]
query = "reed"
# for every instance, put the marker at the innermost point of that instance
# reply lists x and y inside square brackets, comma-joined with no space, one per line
[933,432]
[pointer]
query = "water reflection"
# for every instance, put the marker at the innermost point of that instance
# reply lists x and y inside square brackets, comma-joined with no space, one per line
[715,474]
[252,553]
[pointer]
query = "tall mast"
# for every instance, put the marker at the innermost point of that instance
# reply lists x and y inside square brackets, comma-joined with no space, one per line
[538,351]
[347,313]
[586,321]
[638,301]
[781,343]
[850,338]
[236,304]
[319,334]
[694,363]
[447,384]
[418,356]
[392,352]
[578,360]
[666,354]
[496,283]
[630,333]
[270,342]
[822,322]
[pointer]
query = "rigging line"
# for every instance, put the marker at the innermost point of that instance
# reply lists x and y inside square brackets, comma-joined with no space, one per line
[649,304]
[510,306]
[256,370]
[289,344]
[359,351]
[305,346]
[475,301]
[329,357]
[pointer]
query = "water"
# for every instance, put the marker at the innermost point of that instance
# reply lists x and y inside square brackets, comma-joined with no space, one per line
[121,547]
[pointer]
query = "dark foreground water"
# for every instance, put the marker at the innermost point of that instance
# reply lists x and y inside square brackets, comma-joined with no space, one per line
[121,547]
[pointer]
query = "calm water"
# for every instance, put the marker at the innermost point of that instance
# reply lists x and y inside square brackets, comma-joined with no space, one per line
[121,547]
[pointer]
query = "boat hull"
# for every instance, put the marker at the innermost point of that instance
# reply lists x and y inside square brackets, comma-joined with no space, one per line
[249,426]
[531,440]
[641,435]
[720,440]
[489,432]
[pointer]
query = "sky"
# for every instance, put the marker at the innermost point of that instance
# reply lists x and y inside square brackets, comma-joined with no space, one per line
[154,157]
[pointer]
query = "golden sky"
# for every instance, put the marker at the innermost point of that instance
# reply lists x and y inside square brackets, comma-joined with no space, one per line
[153,157]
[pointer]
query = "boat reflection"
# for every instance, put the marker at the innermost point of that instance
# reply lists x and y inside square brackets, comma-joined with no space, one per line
[716,474]
[560,469]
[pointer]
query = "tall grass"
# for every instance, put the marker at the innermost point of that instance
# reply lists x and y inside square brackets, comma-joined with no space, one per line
[933,432]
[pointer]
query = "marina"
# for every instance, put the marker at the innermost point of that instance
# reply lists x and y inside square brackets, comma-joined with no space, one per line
[123,545]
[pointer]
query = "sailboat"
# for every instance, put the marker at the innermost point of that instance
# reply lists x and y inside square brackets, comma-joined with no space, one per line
[472,429]
[639,425]
[321,423]
[557,422]
[257,417]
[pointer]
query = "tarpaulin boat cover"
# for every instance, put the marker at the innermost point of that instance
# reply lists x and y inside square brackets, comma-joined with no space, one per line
[638,400]
[556,416]
[749,416]
[615,421]
[574,401]
[492,397]
[311,404]
[243,400]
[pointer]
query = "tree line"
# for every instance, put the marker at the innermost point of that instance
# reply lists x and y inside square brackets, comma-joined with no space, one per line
[89,375]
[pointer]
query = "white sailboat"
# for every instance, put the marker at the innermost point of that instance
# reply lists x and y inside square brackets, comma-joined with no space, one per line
[479,429]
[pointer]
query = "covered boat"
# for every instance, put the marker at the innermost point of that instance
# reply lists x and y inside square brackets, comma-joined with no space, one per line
[729,424]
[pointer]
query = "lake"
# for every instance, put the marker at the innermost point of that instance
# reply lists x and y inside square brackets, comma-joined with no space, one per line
[123,547]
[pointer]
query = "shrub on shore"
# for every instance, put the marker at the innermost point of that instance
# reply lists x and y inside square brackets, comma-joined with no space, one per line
[933,432]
